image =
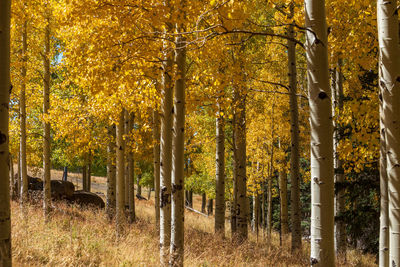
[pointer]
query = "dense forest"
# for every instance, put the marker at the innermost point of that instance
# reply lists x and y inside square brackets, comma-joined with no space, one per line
[199,133]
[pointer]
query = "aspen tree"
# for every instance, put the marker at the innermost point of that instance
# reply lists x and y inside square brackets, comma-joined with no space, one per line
[337,104]
[5,85]
[234,178]
[131,171]
[120,216]
[126,149]
[389,82]
[111,173]
[12,179]
[22,105]
[219,226]
[178,160]
[384,202]
[284,204]
[46,124]
[269,206]
[322,183]
[166,151]
[156,156]
[294,137]
[241,208]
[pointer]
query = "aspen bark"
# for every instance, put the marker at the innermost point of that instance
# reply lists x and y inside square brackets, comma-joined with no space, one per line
[234,189]
[219,226]
[166,156]
[111,173]
[22,104]
[294,137]
[178,186]
[156,156]
[269,210]
[337,103]
[242,212]
[284,203]
[384,202]
[256,212]
[322,180]
[5,86]
[126,149]
[12,181]
[389,82]
[131,172]
[46,125]
[120,214]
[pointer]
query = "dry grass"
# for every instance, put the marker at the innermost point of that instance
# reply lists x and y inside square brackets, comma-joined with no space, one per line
[76,237]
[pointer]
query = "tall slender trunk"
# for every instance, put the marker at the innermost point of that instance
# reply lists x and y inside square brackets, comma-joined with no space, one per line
[84,175]
[269,209]
[89,172]
[389,82]
[5,86]
[12,180]
[166,155]
[139,187]
[256,212]
[120,215]
[240,140]
[131,172]
[46,124]
[178,186]
[294,136]
[210,204]
[22,104]
[219,225]
[234,178]
[18,191]
[384,205]
[203,202]
[284,204]
[322,180]
[111,173]
[156,156]
[126,149]
[337,103]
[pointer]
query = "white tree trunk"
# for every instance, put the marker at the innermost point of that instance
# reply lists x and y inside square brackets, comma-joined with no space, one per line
[384,203]
[5,87]
[294,136]
[177,228]
[322,182]
[219,225]
[131,172]
[120,215]
[389,81]
[165,157]
[46,125]
[337,103]
[111,173]
[22,104]
[156,156]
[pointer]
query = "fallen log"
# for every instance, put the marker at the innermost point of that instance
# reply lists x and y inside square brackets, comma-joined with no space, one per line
[196,211]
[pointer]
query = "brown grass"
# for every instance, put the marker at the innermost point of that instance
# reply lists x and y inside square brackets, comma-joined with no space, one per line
[77,237]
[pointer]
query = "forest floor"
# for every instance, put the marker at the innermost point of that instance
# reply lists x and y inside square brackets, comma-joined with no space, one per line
[75,237]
